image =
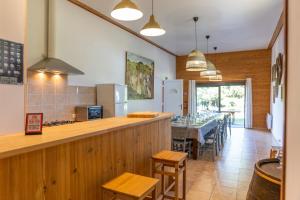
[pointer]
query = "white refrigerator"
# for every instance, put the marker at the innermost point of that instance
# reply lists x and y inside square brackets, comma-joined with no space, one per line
[113,98]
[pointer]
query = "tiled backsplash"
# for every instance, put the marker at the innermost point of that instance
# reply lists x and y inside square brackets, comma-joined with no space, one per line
[51,95]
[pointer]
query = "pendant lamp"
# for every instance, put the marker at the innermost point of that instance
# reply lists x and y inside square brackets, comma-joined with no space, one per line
[126,10]
[196,60]
[152,28]
[218,76]
[211,69]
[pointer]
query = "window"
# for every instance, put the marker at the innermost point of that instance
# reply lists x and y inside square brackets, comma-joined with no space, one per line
[223,97]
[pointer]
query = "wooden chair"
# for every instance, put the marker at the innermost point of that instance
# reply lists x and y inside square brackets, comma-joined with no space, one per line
[212,143]
[229,122]
[161,164]
[223,129]
[180,140]
[132,186]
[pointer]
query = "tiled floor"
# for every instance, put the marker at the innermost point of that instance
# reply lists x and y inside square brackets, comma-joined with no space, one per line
[229,176]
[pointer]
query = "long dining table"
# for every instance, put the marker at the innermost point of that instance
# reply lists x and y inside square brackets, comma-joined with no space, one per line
[196,131]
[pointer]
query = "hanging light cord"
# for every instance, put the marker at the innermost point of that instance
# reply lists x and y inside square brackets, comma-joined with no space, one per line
[215,48]
[207,45]
[196,35]
[152,7]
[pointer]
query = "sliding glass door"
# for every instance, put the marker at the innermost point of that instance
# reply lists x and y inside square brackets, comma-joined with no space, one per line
[223,97]
[207,98]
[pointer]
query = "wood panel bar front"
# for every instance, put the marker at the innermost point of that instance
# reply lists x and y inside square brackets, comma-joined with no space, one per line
[77,169]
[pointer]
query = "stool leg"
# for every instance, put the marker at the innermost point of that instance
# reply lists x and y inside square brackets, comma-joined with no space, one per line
[176,182]
[163,181]
[184,180]
[153,169]
[154,194]
[153,175]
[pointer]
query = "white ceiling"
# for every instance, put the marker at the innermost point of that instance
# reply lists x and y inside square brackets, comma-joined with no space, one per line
[233,25]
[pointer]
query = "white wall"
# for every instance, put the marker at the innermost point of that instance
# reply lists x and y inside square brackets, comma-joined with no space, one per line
[293,103]
[12,27]
[98,48]
[277,108]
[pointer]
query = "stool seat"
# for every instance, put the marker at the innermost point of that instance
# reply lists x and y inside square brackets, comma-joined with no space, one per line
[170,156]
[131,185]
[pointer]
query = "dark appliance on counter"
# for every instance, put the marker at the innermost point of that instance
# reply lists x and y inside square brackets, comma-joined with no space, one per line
[85,113]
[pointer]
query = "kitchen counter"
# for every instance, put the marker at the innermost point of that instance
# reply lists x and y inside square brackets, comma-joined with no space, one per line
[73,161]
[14,144]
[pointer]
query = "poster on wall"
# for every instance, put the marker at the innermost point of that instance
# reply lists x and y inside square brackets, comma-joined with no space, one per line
[11,62]
[139,77]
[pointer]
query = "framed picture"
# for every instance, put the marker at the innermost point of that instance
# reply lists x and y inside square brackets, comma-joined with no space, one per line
[139,77]
[34,123]
[11,62]
[279,62]
[274,73]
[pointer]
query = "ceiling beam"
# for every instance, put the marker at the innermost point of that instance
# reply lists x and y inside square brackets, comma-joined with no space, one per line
[278,28]
[106,18]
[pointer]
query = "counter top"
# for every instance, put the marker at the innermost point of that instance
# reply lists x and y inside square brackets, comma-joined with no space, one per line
[14,144]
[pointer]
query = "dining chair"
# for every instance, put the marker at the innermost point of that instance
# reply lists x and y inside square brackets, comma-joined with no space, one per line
[229,122]
[211,144]
[180,140]
[223,129]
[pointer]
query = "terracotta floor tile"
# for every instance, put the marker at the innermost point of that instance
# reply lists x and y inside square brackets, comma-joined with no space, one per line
[197,195]
[228,178]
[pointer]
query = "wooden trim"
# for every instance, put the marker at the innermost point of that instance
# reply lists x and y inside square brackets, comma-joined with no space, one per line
[283,189]
[106,18]
[221,83]
[278,28]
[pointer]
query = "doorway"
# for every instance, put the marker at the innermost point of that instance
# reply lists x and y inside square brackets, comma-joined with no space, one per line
[173,96]
[223,97]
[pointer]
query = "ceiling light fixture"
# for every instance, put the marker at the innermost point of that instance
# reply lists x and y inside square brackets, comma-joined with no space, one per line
[152,28]
[126,10]
[218,76]
[211,69]
[196,60]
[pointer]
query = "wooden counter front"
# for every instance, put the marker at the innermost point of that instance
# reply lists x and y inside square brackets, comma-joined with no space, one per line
[73,161]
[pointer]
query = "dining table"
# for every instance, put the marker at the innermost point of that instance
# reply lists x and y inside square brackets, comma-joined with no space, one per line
[196,130]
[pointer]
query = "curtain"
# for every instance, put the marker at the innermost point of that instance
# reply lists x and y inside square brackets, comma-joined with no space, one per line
[192,97]
[248,104]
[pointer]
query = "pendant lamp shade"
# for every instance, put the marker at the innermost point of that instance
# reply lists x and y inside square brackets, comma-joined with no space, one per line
[196,60]
[152,28]
[211,70]
[217,77]
[126,10]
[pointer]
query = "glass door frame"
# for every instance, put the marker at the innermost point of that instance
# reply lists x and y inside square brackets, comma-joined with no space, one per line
[219,84]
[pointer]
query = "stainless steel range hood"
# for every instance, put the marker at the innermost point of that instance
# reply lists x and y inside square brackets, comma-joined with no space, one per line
[55,66]
[50,64]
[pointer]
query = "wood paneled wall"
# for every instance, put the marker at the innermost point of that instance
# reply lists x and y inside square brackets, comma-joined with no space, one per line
[237,66]
[77,170]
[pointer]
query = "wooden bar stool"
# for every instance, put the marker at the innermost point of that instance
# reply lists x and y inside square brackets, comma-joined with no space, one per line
[132,186]
[173,160]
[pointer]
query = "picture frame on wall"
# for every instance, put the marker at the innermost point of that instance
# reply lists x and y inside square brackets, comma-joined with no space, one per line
[11,62]
[139,77]
[34,123]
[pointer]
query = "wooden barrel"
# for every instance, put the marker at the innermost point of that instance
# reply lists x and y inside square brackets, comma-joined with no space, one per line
[266,180]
